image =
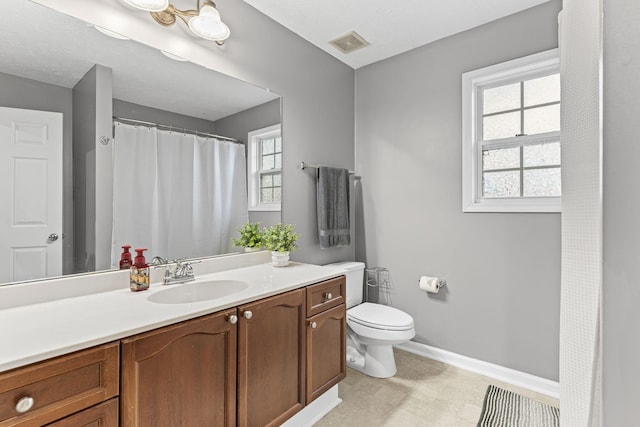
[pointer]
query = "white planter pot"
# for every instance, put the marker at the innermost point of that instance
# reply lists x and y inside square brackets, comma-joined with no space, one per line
[252,249]
[279,259]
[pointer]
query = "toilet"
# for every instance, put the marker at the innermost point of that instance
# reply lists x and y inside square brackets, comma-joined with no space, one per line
[372,329]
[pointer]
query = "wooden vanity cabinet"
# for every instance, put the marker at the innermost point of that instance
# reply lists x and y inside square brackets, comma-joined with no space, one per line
[56,388]
[254,365]
[326,336]
[181,375]
[271,359]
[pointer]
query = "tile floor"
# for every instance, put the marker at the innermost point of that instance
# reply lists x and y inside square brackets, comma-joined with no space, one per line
[423,393]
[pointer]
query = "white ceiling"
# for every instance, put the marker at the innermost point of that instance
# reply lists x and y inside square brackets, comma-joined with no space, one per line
[55,48]
[391,27]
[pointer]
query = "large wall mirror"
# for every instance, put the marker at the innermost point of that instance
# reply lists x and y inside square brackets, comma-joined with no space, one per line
[106,142]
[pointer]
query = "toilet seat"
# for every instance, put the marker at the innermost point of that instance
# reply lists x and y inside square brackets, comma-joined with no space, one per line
[379,316]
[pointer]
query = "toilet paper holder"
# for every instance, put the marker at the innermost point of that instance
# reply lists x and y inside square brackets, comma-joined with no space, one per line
[439,284]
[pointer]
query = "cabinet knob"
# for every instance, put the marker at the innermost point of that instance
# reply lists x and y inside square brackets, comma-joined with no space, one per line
[328,295]
[233,319]
[24,404]
[313,325]
[247,314]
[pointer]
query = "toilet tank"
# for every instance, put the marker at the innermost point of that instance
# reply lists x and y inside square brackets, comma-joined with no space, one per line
[355,280]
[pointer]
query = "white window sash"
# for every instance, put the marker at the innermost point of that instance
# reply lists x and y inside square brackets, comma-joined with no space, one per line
[530,67]
[254,172]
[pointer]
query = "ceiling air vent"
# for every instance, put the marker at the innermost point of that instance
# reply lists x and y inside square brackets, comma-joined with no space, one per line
[349,42]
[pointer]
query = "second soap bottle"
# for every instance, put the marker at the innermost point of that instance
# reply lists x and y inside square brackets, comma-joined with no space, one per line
[140,272]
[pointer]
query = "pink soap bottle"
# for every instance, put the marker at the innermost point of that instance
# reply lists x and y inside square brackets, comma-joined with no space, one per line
[125,258]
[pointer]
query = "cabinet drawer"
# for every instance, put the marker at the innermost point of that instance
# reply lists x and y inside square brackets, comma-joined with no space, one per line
[60,386]
[102,415]
[325,295]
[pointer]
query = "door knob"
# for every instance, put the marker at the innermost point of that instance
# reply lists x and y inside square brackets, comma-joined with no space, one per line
[247,314]
[313,325]
[52,237]
[328,295]
[233,319]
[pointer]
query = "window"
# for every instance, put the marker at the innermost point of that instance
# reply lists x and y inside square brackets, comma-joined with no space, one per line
[265,169]
[511,136]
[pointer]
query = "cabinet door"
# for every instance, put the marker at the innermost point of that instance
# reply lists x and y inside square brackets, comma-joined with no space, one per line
[326,351]
[181,375]
[271,359]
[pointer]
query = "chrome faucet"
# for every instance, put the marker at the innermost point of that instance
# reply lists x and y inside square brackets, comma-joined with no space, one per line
[158,260]
[182,272]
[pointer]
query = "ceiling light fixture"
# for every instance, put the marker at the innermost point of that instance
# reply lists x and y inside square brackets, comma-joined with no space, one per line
[203,21]
[173,56]
[110,33]
[149,5]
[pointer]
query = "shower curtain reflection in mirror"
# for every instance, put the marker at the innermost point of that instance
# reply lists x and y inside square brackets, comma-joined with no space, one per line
[179,195]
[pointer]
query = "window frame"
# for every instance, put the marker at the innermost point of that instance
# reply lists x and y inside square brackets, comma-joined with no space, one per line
[526,68]
[254,173]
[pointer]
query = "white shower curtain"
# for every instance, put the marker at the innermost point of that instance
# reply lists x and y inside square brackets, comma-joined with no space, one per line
[581,393]
[179,195]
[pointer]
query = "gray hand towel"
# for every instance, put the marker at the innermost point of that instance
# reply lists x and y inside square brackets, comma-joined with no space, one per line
[333,207]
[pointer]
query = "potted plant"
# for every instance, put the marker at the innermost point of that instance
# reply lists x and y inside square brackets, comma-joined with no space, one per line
[251,238]
[280,239]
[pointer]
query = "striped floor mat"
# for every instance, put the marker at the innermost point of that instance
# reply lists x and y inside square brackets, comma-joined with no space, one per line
[503,408]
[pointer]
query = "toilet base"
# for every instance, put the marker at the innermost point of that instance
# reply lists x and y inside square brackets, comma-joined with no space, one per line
[379,361]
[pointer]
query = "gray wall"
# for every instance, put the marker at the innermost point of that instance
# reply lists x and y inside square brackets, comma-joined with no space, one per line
[317,113]
[18,92]
[621,212]
[92,189]
[501,303]
[238,126]
[130,110]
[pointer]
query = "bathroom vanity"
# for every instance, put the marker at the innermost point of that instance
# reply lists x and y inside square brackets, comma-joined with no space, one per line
[258,356]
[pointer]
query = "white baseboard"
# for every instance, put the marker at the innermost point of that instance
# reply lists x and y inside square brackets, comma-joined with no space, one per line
[311,414]
[508,375]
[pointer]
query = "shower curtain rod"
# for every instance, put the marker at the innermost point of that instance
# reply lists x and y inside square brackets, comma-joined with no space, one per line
[177,129]
[304,165]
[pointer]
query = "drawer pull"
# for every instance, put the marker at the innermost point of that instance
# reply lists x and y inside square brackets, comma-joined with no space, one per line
[328,295]
[233,319]
[24,404]
[247,314]
[313,325]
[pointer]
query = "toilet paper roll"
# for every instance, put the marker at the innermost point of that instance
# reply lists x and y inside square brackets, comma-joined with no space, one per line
[429,284]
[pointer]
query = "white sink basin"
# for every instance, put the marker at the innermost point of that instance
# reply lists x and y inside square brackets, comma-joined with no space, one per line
[198,291]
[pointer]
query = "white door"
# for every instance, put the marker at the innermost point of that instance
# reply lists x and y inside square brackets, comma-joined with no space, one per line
[31,194]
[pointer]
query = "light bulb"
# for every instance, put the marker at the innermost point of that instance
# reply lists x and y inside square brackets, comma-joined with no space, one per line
[209,11]
[149,5]
[208,24]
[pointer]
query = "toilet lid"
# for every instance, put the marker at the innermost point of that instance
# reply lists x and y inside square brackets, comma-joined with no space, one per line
[380,316]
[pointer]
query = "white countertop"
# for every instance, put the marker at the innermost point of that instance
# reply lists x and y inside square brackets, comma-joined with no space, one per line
[34,332]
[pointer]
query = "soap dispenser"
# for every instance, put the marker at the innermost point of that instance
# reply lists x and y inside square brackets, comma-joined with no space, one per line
[125,258]
[140,273]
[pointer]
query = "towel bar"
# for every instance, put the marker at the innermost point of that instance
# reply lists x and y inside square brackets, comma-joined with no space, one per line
[304,165]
